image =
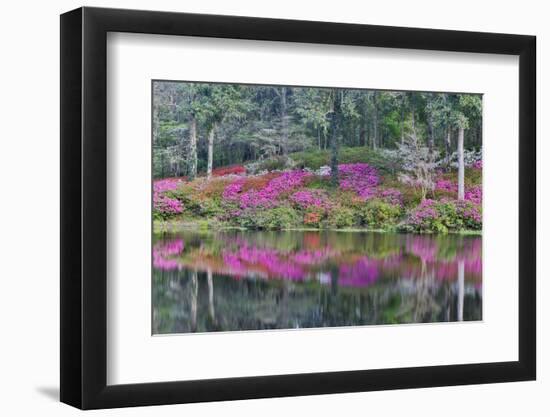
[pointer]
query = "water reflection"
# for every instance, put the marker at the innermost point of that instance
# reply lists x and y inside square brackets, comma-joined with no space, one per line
[237,280]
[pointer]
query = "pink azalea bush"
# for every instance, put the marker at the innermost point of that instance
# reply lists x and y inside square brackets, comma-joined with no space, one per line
[471,214]
[163,205]
[233,190]
[301,197]
[392,196]
[474,194]
[423,215]
[446,185]
[268,195]
[361,178]
[310,198]
[443,216]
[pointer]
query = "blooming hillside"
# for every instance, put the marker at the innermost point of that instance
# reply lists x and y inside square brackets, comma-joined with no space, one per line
[298,198]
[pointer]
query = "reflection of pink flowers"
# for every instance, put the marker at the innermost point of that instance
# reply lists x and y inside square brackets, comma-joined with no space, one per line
[425,249]
[312,257]
[414,256]
[163,251]
[359,274]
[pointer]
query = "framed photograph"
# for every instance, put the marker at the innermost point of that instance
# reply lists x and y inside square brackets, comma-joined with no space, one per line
[256,208]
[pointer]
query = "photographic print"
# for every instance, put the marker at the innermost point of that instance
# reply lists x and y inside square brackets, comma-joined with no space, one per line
[291,207]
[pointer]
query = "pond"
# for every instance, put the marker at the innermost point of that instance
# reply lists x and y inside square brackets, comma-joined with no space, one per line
[256,280]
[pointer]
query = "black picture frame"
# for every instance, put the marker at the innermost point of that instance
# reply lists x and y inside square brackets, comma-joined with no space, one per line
[84,207]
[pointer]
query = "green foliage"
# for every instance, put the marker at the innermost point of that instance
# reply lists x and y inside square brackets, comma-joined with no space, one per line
[473,176]
[442,217]
[342,217]
[196,203]
[276,163]
[277,218]
[315,158]
[379,214]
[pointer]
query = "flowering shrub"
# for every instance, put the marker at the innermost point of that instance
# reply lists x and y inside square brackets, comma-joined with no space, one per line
[478,164]
[268,219]
[229,170]
[296,197]
[309,198]
[423,218]
[267,196]
[215,187]
[232,191]
[380,214]
[474,194]
[443,216]
[312,218]
[163,205]
[470,214]
[342,217]
[391,195]
[167,184]
[446,185]
[361,178]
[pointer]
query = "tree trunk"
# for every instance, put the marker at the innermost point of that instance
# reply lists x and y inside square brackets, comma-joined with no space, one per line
[362,133]
[460,292]
[447,148]
[194,300]
[375,115]
[284,120]
[431,140]
[192,167]
[414,126]
[210,282]
[402,123]
[210,151]
[460,146]
[334,139]
[319,138]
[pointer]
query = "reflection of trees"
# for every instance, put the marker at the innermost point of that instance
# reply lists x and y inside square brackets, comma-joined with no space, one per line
[460,292]
[256,304]
[424,303]
[194,296]
[407,279]
[211,295]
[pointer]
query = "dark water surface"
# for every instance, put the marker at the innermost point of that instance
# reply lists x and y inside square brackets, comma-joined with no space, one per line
[251,280]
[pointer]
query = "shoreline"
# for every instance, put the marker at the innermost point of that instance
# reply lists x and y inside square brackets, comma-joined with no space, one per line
[176,226]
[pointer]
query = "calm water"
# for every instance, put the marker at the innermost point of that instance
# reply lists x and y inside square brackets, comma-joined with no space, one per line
[235,280]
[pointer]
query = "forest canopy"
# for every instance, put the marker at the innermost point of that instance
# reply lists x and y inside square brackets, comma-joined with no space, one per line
[246,123]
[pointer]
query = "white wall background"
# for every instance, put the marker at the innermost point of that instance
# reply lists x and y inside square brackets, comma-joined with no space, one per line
[29,178]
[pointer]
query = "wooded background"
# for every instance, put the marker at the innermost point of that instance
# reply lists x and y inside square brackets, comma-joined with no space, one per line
[201,126]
